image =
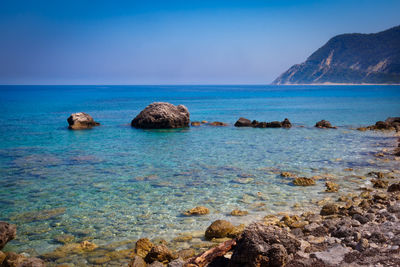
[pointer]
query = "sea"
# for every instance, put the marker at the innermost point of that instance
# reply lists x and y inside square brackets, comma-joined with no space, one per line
[115,182]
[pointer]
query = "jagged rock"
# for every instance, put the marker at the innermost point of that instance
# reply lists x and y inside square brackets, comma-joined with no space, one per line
[218,229]
[261,245]
[137,262]
[200,210]
[329,209]
[243,122]
[143,247]
[7,233]
[159,253]
[394,188]
[81,120]
[331,187]
[324,124]
[303,181]
[161,115]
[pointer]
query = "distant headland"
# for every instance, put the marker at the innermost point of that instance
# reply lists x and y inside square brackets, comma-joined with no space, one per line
[350,59]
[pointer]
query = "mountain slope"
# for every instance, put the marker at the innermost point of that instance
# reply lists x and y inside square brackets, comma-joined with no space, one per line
[351,58]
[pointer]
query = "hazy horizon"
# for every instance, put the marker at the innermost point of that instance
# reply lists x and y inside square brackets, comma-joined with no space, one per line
[174,42]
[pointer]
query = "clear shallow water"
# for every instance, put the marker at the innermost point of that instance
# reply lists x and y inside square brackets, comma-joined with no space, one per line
[114,182]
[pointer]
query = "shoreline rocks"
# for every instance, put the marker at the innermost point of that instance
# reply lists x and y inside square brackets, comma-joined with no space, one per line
[323,124]
[243,122]
[162,115]
[81,121]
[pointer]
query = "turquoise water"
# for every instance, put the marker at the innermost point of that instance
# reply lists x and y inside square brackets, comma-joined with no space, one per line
[115,183]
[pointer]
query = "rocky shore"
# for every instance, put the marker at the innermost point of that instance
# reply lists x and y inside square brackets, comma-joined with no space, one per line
[357,229]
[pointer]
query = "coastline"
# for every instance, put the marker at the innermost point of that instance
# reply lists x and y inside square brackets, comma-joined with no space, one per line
[338,84]
[120,253]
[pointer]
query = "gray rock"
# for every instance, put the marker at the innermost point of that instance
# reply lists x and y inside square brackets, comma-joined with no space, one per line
[362,219]
[81,120]
[137,261]
[333,256]
[176,263]
[7,233]
[156,264]
[161,115]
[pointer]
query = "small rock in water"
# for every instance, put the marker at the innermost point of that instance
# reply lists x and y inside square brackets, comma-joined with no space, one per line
[195,123]
[303,181]
[159,253]
[243,122]
[218,229]
[288,175]
[239,213]
[143,246]
[379,183]
[329,209]
[218,123]
[331,187]
[200,210]
[324,124]
[81,120]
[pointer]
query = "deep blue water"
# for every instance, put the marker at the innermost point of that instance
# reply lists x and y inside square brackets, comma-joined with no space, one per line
[114,182]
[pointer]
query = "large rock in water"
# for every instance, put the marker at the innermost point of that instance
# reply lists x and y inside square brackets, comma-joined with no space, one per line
[262,245]
[81,120]
[7,233]
[161,115]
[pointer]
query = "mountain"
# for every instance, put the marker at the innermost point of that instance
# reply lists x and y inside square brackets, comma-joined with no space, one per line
[351,58]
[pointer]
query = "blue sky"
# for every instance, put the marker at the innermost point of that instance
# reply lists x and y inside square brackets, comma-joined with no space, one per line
[173,42]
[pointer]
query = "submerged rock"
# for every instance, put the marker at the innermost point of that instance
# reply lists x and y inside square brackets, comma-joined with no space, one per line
[331,187]
[81,120]
[218,123]
[324,124]
[239,213]
[161,115]
[200,210]
[303,181]
[243,122]
[7,233]
[19,260]
[195,123]
[218,229]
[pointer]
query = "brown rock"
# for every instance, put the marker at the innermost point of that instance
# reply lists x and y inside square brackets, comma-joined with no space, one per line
[2,257]
[243,122]
[137,262]
[329,209]
[81,120]
[200,210]
[379,183]
[286,123]
[218,123]
[331,187]
[288,175]
[143,247]
[394,188]
[218,229]
[303,181]
[195,123]
[7,233]
[161,115]
[239,212]
[324,124]
[159,253]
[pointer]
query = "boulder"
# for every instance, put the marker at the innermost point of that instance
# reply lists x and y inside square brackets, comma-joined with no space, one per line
[219,229]
[161,115]
[81,120]
[200,210]
[143,247]
[324,124]
[243,122]
[7,233]
[261,245]
[159,253]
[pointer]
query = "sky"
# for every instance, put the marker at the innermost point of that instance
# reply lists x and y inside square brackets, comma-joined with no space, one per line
[171,41]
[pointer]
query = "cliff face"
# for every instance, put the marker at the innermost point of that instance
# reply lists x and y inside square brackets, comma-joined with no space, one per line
[351,58]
